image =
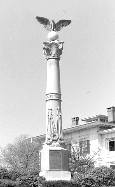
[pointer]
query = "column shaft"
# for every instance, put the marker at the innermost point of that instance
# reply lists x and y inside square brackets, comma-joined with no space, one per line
[53,50]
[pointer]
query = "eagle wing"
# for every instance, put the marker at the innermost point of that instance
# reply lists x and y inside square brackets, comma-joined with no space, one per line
[45,22]
[62,23]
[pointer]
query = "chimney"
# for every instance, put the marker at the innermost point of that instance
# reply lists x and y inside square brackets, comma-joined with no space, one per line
[75,121]
[111,114]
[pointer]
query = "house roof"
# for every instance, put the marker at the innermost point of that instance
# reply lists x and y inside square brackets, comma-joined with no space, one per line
[107,131]
[88,126]
[96,118]
[102,129]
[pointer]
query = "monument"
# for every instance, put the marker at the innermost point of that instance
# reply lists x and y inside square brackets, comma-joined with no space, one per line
[54,155]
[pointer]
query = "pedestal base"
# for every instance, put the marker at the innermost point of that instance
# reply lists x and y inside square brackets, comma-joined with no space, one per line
[54,163]
[56,175]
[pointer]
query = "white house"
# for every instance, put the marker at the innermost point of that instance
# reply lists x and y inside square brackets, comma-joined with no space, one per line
[96,137]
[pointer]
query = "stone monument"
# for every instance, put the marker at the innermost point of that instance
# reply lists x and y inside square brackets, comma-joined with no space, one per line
[54,156]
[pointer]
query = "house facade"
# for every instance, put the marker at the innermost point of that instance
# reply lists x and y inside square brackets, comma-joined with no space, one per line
[95,137]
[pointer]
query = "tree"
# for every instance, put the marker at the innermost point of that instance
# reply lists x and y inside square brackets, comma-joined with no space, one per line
[80,164]
[22,157]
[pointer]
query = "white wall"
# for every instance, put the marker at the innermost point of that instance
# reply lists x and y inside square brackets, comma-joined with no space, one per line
[99,144]
[108,156]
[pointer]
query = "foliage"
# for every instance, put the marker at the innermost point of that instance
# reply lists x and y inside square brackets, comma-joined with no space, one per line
[103,175]
[22,157]
[59,184]
[7,183]
[4,174]
[80,164]
[99,176]
[13,175]
[8,174]
[85,174]
[30,181]
[10,178]
[22,160]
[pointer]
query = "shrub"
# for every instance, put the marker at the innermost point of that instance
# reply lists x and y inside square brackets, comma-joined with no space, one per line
[103,175]
[7,183]
[79,163]
[59,184]
[30,181]
[98,176]
[4,174]
[41,182]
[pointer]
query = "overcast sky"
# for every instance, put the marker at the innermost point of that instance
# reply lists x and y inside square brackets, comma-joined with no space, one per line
[87,64]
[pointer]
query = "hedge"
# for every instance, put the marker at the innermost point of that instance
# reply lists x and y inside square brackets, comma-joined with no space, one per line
[7,183]
[84,183]
[97,177]
[60,184]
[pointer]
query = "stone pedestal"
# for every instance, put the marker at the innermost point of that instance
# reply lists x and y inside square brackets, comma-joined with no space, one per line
[54,163]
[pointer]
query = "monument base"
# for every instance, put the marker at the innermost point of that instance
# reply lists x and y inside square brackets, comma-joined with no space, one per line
[55,163]
[56,175]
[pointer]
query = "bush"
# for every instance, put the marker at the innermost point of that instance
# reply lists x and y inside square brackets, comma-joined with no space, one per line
[7,183]
[78,163]
[4,174]
[30,181]
[8,174]
[103,175]
[99,176]
[59,184]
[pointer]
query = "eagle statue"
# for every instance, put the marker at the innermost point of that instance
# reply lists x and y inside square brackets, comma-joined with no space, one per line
[53,27]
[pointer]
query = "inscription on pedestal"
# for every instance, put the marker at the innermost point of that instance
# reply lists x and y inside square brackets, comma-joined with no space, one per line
[55,159]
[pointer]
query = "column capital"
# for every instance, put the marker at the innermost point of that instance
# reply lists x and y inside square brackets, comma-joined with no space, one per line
[52,49]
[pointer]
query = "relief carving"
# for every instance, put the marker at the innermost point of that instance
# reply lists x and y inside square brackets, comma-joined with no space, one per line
[54,127]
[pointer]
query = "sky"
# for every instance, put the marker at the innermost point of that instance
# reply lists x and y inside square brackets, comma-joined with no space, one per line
[87,63]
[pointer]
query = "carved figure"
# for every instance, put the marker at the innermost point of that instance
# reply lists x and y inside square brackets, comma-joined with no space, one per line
[59,124]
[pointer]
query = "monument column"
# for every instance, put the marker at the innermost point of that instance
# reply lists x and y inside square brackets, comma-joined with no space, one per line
[52,52]
[54,156]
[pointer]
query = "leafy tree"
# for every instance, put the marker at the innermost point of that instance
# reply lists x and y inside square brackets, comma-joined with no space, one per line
[22,157]
[80,164]
[85,174]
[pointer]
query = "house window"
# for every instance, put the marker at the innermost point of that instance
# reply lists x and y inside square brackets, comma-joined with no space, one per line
[111,145]
[84,147]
